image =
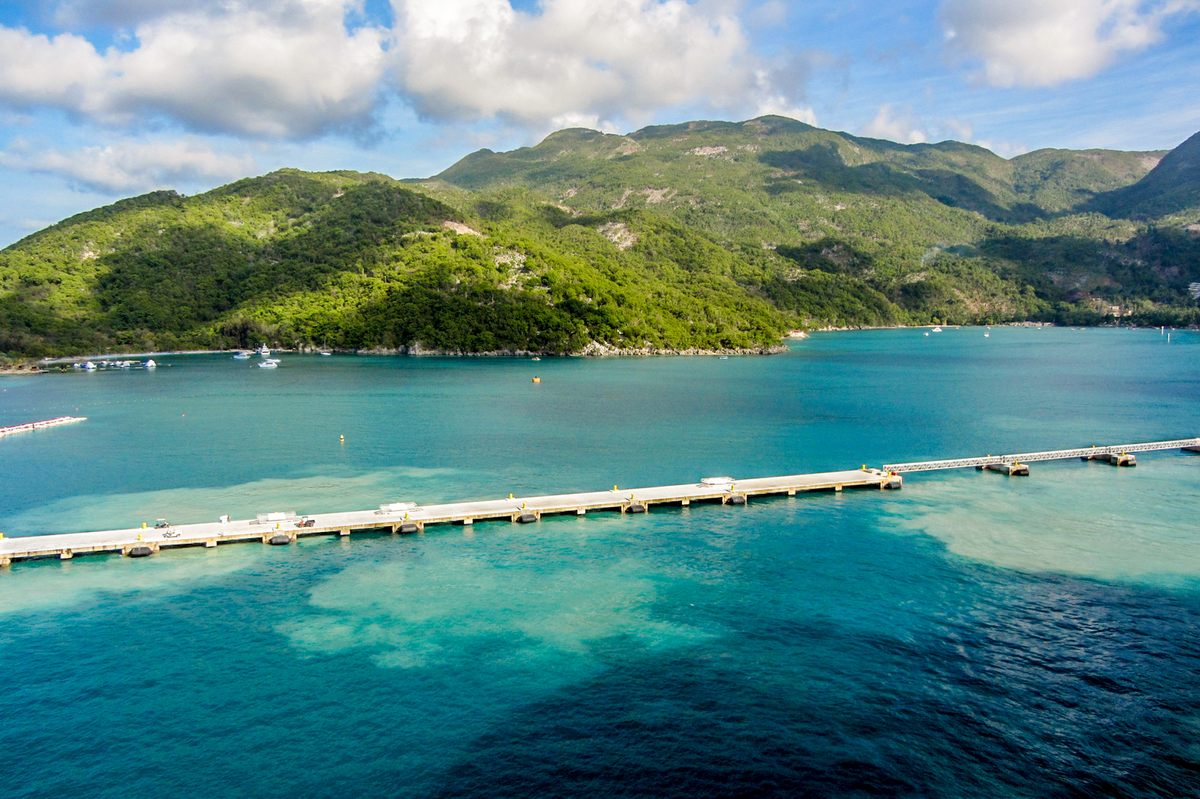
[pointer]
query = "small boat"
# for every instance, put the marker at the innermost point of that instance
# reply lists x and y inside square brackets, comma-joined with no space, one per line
[723,358]
[263,350]
[324,352]
[985,335]
[241,356]
[535,358]
[927,334]
[937,330]
[150,364]
[269,363]
[88,365]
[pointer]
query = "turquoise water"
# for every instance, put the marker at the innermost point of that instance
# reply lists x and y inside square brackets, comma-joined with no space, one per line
[971,635]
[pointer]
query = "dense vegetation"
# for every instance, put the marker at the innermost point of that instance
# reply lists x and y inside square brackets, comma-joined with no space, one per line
[706,235]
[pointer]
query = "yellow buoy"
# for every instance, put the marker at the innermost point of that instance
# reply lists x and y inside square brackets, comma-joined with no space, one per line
[342,439]
[537,379]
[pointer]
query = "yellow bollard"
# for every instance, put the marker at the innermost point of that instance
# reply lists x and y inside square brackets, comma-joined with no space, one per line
[143,525]
[139,536]
[614,488]
[510,496]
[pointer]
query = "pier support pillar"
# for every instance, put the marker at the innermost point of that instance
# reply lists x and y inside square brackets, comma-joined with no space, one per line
[837,488]
[345,531]
[467,522]
[1010,469]
[5,560]
[791,492]
[686,502]
[1123,459]
[65,554]
[581,511]
[210,543]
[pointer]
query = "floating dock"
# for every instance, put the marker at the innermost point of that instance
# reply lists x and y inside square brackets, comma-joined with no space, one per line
[25,428]
[284,527]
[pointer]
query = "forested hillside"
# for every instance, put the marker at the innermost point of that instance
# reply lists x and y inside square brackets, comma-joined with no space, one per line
[708,236]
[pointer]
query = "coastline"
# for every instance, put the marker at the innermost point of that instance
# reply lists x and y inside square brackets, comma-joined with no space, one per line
[594,349]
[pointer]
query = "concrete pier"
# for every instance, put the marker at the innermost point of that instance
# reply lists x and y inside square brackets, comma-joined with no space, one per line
[285,527]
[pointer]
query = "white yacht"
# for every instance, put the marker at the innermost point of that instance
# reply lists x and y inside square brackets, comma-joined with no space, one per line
[263,350]
[241,356]
[269,363]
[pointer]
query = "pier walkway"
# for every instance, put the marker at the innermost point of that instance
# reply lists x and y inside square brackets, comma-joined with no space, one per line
[285,527]
[24,428]
[1086,453]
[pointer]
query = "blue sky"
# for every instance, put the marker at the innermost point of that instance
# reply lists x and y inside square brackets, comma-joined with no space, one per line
[103,99]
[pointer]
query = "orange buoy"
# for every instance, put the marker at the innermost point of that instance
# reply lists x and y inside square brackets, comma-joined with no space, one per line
[537,379]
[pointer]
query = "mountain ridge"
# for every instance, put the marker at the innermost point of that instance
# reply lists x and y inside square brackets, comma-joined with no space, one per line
[702,236]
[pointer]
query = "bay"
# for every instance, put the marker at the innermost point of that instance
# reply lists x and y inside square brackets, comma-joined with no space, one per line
[971,635]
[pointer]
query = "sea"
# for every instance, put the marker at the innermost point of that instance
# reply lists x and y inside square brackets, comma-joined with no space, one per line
[972,635]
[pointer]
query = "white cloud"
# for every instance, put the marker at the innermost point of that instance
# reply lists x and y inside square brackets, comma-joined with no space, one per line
[1031,43]
[132,166]
[902,127]
[283,68]
[608,59]
[299,69]
[781,106]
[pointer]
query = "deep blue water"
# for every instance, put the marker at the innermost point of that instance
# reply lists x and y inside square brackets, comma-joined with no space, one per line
[969,636]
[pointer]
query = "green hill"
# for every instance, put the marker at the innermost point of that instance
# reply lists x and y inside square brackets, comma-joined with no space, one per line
[702,236]
[1172,187]
[361,261]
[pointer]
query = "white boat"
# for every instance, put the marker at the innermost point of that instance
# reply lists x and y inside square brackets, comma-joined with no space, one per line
[324,352]
[263,351]
[937,330]
[88,365]
[150,364]
[269,363]
[985,335]
[241,356]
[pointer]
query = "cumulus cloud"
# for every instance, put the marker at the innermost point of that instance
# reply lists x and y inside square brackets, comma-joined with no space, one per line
[132,166]
[467,59]
[302,68]
[1032,43]
[285,68]
[901,126]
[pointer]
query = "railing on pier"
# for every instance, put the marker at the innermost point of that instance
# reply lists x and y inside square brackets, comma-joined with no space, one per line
[24,428]
[1052,455]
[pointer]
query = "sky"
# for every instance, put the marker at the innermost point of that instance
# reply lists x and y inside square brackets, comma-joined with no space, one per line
[104,99]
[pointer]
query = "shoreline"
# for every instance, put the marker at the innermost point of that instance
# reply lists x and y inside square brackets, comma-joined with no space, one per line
[592,350]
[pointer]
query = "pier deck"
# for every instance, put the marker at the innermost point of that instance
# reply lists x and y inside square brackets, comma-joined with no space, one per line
[68,545]
[30,426]
[1050,455]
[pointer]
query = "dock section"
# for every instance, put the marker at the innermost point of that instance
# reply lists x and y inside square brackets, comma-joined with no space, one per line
[284,527]
[1005,463]
[31,426]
